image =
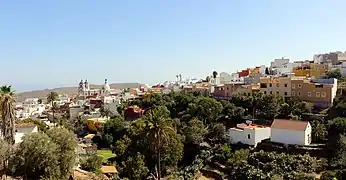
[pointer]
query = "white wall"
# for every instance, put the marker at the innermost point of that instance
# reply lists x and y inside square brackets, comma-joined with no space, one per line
[288,136]
[21,131]
[308,135]
[241,136]
[262,133]
[256,135]
[279,62]
[215,81]
[74,111]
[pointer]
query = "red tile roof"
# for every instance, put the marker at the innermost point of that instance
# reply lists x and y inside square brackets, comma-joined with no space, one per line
[290,124]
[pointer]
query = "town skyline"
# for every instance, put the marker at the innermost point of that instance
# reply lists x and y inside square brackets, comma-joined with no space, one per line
[124,41]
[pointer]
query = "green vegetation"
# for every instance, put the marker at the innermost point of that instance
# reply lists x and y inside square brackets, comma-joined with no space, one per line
[178,136]
[105,154]
[181,133]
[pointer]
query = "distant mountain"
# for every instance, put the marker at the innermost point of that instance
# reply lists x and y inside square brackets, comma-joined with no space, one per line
[70,90]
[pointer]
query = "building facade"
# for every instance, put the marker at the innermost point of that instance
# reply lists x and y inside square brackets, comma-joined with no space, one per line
[320,92]
[309,69]
[276,85]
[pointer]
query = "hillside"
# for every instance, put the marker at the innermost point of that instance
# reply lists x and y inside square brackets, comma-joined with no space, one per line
[70,90]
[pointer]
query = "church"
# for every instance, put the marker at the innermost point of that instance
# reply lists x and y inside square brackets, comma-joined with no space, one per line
[85,91]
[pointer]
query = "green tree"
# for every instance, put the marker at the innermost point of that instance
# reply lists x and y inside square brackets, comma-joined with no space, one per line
[105,112]
[194,131]
[334,74]
[135,167]
[66,145]
[231,111]
[121,145]
[36,157]
[269,106]
[92,164]
[217,132]
[51,98]
[113,130]
[206,109]
[7,113]
[319,131]
[159,129]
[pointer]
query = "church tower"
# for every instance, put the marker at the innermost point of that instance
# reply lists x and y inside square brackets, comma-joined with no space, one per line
[81,88]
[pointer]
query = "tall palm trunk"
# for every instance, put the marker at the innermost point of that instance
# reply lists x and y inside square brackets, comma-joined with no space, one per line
[158,159]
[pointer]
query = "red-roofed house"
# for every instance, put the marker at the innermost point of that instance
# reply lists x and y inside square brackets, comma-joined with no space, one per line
[291,132]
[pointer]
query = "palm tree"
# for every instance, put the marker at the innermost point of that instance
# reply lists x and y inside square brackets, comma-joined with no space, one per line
[7,113]
[159,129]
[51,98]
[177,77]
[105,112]
[8,118]
[214,74]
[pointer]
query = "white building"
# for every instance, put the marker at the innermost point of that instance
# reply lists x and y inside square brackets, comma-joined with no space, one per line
[22,129]
[291,132]
[250,134]
[277,63]
[63,99]
[84,89]
[341,67]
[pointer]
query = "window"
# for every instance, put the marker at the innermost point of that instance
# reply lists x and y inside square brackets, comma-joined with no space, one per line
[309,94]
[265,92]
[293,86]
[277,92]
[299,85]
[317,94]
[285,93]
[263,85]
[271,92]
[270,85]
[285,85]
[298,93]
[323,94]
[248,136]
[248,94]
[293,93]
[227,88]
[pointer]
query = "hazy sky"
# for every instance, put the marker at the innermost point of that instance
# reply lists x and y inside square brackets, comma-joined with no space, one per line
[48,43]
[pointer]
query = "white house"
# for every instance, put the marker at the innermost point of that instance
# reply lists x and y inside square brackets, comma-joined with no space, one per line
[250,134]
[291,132]
[22,129]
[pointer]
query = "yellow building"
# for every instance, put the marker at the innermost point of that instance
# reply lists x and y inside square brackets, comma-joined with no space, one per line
[276,85]
[311,70]
[254,71]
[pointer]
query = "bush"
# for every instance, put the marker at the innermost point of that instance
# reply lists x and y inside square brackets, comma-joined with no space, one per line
[92,164]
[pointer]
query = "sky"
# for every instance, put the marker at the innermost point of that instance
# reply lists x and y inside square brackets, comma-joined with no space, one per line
[46,44]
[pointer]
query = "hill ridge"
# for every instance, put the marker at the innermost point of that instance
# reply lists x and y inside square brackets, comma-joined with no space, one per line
[69,90]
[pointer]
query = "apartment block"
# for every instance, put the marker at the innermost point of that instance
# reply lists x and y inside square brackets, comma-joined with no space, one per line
[276,85]
[320,92]
[310,69]
[332,57]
